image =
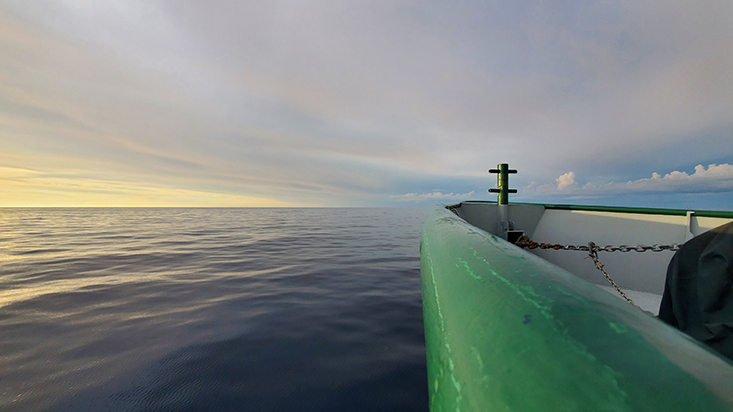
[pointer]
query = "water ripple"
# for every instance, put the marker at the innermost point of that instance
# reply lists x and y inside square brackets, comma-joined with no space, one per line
[211,309]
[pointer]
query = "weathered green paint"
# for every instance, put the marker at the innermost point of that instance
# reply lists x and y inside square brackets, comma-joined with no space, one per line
[508,331]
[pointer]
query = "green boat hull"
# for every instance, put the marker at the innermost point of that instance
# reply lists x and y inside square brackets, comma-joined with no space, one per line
[508,331]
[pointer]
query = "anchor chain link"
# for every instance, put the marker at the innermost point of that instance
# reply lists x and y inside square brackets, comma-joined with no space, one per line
[600,266]
[525,242]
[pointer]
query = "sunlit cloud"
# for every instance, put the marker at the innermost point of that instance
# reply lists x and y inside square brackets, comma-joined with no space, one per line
[29,188]
[566,181]
[714,178]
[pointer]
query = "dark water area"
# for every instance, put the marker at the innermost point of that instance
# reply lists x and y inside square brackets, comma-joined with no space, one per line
[211,309]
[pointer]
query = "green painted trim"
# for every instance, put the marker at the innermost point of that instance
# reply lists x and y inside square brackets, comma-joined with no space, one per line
[644,210]
[507,331]
[620,209]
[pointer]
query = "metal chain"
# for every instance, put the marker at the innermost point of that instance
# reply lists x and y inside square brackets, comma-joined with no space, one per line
[593,250]
[525,241]
[594,255]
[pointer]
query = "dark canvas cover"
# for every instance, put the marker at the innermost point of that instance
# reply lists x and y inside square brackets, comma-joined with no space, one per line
[698,294]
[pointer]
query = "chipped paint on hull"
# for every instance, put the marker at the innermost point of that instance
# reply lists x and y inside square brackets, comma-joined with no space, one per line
[507,331]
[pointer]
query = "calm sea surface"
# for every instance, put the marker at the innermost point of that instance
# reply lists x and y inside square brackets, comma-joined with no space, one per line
[218,309]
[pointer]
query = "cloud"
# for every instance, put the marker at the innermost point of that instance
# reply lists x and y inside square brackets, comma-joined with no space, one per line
[33,188]
[566,181]
[335,103]
[714,178]
[432,196]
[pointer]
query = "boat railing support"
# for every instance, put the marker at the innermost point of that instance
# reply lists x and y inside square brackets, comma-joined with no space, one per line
[505,225]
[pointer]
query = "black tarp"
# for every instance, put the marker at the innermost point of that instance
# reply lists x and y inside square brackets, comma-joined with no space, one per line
[698,293]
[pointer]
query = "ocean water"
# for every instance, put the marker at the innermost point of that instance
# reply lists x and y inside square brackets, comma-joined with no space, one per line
[211,309]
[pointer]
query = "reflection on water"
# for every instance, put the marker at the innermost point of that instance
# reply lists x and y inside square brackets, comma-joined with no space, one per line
[227,309]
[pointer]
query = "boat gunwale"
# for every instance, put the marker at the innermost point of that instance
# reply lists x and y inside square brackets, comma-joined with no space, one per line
[615,209]
[456,283]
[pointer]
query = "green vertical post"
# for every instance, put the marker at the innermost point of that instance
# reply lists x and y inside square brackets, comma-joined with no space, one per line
[502,183]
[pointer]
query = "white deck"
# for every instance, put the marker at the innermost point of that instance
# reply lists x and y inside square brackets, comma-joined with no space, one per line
[648,302]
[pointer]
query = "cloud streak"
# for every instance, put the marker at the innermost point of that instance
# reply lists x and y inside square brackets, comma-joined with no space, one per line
[432,197]
[30,188]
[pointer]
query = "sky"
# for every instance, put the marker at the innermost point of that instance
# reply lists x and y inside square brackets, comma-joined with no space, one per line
[365,103]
